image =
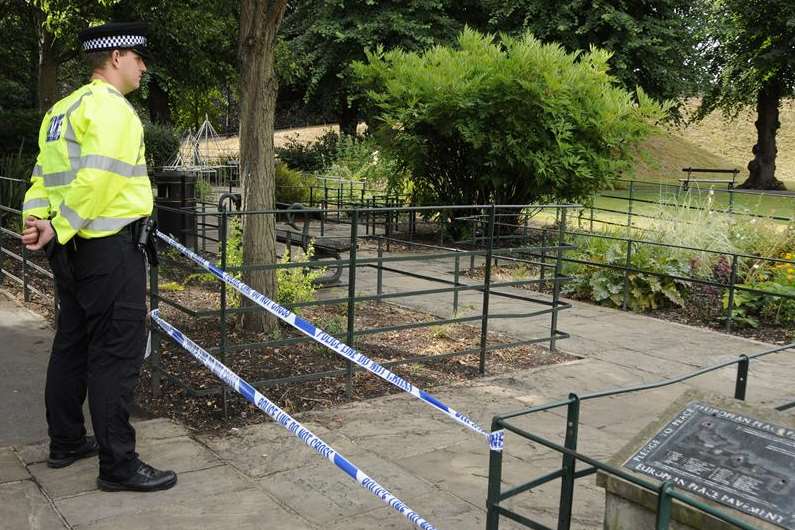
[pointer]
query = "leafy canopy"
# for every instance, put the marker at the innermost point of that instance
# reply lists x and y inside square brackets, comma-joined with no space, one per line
[512,122]
[752,46]
[654,45]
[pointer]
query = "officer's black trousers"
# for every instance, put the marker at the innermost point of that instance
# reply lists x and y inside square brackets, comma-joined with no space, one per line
[98,348]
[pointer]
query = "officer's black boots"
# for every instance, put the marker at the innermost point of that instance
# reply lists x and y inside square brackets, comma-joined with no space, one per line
[61,458]
[145,478]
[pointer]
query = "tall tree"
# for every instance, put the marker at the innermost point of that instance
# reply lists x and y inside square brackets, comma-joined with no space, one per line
[195,47]
[55,24]
[259,23]
[752,60]
[328,36]
[654,43]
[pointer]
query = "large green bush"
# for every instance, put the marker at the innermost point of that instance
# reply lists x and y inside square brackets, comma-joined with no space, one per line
[512,121]
[292,185]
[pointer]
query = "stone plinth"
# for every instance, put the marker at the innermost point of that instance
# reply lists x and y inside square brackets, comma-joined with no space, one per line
[734,457]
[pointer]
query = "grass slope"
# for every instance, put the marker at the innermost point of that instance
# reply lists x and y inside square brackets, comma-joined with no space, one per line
[715,142]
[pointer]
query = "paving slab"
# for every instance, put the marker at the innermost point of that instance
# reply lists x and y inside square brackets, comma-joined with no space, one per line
[11,467]
[25,340]
[22,505]
[261,477]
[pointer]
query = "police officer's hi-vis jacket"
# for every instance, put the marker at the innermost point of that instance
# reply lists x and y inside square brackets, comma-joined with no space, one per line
[90,176]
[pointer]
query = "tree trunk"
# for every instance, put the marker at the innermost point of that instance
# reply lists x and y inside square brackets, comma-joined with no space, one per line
[47,72]
[259,22]
[349,115]
[762,168]
[158,103]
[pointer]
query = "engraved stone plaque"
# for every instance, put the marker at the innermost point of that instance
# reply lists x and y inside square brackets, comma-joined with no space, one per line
[726,457]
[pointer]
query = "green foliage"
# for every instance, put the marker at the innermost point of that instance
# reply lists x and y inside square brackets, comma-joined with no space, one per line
[605,285]
[297,284]
[311,156]
[20,131]
[750,307]
[362,159]
[162,142]
[327,37]
[204,191]
[751,49]
[334,325]
[292,185]
[653,45]
[512,123]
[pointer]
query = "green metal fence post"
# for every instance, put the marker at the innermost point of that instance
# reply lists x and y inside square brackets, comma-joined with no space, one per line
[25,291]
[456,276]
[323,216]
[495,481]
[543,255]
[222,314]
[741,384]
[484,329]
[351,304]
[556,281]
[154,334]
[629,208]
[732,281]
[569,464]
[627,266]
[380,275]
[664,506]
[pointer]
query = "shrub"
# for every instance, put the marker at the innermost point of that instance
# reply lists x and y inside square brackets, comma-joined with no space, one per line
[510,122]
[605,285]
[20,131]
[297,284]
[162,142]
[311,156]
[362,159]
[292,185]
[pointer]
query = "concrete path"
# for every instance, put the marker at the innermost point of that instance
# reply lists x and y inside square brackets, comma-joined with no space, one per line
[260,477]
[25,340]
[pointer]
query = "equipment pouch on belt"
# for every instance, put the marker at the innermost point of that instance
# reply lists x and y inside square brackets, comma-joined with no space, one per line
[59,261]
[146,241]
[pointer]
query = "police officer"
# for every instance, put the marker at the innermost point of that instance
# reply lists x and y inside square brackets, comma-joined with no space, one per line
[89,196]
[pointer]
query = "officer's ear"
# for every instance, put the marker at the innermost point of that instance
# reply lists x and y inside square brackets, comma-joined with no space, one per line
[115,58]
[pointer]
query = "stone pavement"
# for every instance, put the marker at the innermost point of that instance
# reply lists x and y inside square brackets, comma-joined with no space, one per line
[260,477]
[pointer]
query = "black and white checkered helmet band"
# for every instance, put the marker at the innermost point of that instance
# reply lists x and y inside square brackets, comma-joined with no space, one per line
[114,42]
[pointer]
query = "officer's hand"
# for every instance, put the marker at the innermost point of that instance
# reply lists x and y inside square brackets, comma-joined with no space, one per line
[30,235]
[45,231]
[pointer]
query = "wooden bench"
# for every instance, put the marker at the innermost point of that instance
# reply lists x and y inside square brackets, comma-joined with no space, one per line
[685,182]
[324,247]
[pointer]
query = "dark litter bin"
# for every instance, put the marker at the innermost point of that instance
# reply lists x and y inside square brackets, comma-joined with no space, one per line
[175,202]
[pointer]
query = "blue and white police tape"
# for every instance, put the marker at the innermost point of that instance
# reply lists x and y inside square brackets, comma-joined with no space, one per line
[288,422]
[495,439]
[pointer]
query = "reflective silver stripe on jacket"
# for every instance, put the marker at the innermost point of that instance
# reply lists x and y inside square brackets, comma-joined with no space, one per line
[100,224]
[102,162]
[36,203]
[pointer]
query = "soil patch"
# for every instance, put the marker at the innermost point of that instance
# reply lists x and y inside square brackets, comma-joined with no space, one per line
[191,394]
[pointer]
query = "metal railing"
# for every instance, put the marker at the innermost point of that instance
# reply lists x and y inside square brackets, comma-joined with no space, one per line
[643,194]
[732,284]
[14,255]
[569,473]
[381,263]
